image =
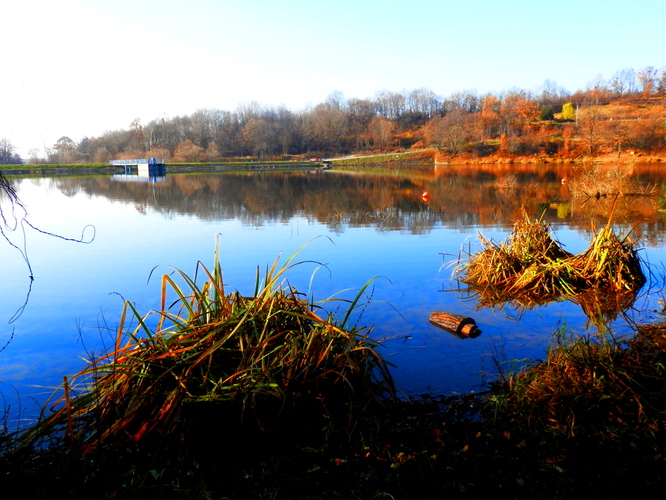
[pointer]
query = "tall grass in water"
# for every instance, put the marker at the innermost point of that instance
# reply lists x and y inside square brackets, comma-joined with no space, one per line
[591,387]
[531,268]
[214,347]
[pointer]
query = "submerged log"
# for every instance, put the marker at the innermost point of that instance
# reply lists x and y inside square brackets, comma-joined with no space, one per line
[460,326]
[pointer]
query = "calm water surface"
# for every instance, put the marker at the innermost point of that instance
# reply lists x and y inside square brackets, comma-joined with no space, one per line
[361,225]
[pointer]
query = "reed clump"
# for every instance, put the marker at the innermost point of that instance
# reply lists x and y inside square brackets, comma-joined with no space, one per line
[532,268]
[591,387]
[251,356]
[597,182]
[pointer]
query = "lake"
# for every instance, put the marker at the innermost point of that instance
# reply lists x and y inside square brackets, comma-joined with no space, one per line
[357,225]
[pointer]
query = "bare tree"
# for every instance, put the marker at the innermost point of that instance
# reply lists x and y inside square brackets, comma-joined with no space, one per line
[590,127]
[8,156]
[260,137]
[451,131]
[64,151]
[647,78]
[390,104]
[623,82]
[381,130]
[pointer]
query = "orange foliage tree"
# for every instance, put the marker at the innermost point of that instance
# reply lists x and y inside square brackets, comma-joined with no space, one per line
[187,152]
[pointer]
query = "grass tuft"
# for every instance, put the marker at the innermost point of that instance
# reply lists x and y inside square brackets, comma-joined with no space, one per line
[255,356]
[531,268]
[602,387]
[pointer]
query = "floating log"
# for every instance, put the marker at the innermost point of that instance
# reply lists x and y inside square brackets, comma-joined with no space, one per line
[460,326]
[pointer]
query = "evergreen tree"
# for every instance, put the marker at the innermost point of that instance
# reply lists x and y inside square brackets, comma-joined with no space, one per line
[546,113]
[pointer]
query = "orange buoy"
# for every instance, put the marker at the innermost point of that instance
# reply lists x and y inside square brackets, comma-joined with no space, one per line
[425,195]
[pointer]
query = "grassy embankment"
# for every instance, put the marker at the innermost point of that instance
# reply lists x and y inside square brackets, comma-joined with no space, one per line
[383,159]
[173,167]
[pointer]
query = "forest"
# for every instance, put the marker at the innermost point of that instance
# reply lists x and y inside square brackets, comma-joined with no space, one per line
[624,115]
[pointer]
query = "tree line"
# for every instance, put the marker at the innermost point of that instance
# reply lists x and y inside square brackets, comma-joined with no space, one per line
[550,121]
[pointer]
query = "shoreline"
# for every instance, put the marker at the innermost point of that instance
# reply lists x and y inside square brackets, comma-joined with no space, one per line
[396,157]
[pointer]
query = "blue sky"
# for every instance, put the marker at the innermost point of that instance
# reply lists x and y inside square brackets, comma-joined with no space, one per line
[82,67]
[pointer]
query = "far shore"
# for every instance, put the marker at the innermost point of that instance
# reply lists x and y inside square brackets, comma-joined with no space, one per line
[424,156]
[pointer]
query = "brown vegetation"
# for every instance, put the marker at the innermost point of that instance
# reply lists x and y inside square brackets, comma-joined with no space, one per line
[623,118]
[531,268]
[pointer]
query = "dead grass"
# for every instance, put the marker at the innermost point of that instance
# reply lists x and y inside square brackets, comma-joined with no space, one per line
[255,356]
[599,181]
[532,268]
[599,386]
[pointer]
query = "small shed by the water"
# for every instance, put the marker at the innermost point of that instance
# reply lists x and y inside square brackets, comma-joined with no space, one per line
[144,166]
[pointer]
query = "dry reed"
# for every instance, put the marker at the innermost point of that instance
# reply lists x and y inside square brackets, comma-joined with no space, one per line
[213,347]
[532,268]
[596,182]
[597,386]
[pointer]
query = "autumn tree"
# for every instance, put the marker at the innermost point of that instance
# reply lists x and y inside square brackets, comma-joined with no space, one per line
[648,132]
[286,126]
[85,150]
[187,152]
[596,92]
[490,116]
[616,133]
[381,131]
[589,127]
[516,113]
[260,137]
[161,153]
[101,155]
[503,145]
[247,111]
[568,112]
[567,134]
[450,131]
[205,126]
[35,157]
[325,128]
[335,100]
[138,137]
[360,112]
[528,111]
[211,153]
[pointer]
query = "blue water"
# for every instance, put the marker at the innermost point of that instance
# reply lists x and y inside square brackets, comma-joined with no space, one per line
[78,288]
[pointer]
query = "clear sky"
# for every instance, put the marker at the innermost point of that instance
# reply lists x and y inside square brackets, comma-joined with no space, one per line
[82,67]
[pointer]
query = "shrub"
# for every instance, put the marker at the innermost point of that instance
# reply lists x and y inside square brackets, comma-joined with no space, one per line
[568,112]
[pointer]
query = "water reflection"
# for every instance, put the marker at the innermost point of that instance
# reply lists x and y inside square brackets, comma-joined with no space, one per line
[460,197]
[378,221]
